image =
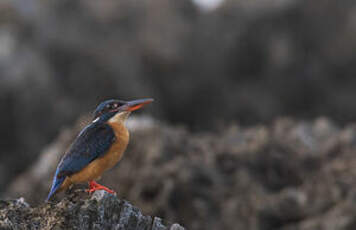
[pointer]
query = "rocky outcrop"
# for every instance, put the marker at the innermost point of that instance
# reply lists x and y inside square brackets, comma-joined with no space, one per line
[78,211]
[295,175]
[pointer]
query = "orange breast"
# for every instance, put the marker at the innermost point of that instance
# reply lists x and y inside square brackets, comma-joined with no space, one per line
[96,168]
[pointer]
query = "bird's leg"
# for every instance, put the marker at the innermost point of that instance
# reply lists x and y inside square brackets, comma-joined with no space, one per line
[93,186]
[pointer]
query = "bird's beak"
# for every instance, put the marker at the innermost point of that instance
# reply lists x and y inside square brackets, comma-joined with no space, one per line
[136,104]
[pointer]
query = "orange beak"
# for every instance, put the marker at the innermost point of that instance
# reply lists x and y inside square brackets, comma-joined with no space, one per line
[136,104]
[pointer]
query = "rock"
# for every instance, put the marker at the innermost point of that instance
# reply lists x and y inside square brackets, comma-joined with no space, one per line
[78,211]
[286,175]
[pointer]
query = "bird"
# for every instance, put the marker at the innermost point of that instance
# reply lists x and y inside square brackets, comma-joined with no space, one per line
[97,148]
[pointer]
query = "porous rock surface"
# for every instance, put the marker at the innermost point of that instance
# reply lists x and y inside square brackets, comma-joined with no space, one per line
[294,175]
[101,210]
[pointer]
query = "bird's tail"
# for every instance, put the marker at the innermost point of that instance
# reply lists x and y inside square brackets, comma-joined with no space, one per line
[57,182]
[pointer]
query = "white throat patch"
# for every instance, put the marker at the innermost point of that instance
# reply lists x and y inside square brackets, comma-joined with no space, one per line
[120,117]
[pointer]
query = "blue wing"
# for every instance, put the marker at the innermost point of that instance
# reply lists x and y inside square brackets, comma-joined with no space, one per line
[93,142]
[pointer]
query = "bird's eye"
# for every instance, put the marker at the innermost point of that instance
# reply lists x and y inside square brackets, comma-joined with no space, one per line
[114,106]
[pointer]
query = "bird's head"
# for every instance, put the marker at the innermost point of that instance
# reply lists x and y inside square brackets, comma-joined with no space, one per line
[117,110]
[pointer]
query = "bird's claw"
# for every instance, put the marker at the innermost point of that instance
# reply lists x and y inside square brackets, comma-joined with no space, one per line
[93,186]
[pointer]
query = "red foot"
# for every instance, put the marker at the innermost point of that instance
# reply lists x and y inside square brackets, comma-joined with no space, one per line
[93,186]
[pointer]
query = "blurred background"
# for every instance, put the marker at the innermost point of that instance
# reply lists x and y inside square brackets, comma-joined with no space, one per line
[215,150]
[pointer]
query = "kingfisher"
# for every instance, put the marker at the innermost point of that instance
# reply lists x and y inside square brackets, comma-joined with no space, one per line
[97,148]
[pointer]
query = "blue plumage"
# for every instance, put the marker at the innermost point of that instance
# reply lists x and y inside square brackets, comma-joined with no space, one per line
[93,142]
[105,108]
[57,182]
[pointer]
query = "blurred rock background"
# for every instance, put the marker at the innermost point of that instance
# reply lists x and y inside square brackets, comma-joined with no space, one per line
[240,61]
[287,175]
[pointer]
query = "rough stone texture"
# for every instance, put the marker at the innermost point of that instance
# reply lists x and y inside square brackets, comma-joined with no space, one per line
[247,61]
[78,211]
[294,175]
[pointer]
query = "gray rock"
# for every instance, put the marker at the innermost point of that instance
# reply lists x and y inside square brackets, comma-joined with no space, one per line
[79,211]
[262,177]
